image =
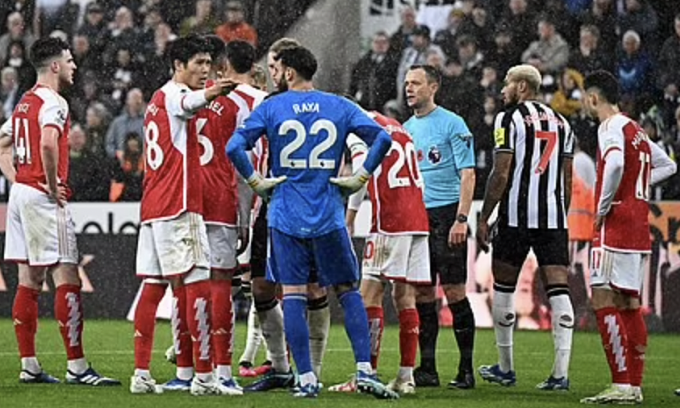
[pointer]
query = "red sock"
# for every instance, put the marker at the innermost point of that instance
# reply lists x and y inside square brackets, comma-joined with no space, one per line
[222,323]
[145,322]
[68,309]
[376,323]
[637,344]
[198,319]
[180,328]
[25,317]
[614,341]
[408,337]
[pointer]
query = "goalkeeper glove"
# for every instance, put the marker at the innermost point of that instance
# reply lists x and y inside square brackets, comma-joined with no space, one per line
[352,184]
[264,186]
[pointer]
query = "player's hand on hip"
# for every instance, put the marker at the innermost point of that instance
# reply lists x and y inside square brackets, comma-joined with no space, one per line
[58,195]
[352,184]
[243,239]
[482,235]
[264,186]
[458,234]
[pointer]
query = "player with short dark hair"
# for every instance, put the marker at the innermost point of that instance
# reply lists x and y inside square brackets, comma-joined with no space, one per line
[40,232]
[307,130]
[627,164]
[173,243]
[447,162]
[531,178]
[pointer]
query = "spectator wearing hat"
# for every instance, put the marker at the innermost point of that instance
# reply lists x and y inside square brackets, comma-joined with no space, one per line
[416,54]
[94,28]
[235,27]
[373,81]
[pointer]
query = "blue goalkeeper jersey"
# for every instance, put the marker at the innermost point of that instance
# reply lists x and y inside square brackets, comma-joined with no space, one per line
[306,131]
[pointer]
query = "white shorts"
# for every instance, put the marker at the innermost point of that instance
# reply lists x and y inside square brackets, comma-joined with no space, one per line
[621,271]
[403,258]
[39,232]
[223,241]
[172,247]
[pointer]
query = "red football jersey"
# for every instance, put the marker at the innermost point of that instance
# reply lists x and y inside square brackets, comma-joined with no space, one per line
[38,108]
[396,187]
[215,125]
[626,226]
[172,178]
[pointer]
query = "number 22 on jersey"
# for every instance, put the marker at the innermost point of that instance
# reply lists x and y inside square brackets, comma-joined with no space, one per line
[301,134]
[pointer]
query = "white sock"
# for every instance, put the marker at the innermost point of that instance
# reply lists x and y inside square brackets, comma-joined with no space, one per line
[271,322]
[307,378]
[253,338]
[365,367]
[185,373]
[31,365]
[563,330]
[77,366]
[205,377]
[405,374]
[223,371]
[319,321]
[503,311]
[146,374]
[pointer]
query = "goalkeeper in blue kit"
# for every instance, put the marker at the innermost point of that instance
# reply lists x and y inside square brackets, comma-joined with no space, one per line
[306,130]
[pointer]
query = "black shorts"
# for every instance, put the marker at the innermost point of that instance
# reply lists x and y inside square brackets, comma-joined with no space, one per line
[450,264]
[258,245]
[511,245]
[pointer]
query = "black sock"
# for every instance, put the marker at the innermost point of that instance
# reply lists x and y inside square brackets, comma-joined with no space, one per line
[464,330]
[429,330]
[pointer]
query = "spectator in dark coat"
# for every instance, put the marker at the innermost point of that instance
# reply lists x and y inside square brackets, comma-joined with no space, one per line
[374,77]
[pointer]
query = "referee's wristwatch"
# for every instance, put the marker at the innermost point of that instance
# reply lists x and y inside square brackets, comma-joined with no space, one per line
[462,218]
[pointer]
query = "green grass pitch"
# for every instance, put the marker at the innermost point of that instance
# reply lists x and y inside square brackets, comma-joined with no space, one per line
[108,345]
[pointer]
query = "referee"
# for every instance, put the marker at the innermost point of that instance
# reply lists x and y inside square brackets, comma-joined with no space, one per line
[531,178]
[446,159]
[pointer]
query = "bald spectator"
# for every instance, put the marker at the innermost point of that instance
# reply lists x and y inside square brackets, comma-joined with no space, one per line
[403,37]
[16,31]
[634,67]
[551,52]
[202,22]
[130,121]
[235,26]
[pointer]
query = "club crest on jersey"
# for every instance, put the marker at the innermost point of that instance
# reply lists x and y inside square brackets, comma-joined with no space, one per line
[434,155]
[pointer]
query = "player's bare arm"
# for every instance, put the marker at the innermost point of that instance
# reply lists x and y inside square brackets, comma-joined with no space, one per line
[458,233]
[49,148]
[7,157]
[568,170]
[495,187]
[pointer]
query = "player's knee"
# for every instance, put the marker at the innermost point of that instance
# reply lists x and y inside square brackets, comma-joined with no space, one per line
[555,275]
[263,290]
[31,278]
[314,291]
[66,274]
[602,298]
[342,288]
[197,274]
[426,294]
[455,293]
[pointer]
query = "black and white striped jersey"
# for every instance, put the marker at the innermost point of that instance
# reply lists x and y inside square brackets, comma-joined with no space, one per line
[540,139]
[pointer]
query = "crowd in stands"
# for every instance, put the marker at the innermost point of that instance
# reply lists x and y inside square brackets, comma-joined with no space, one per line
[474,42]
[119,44]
